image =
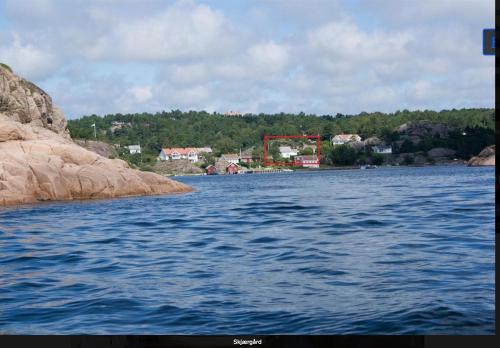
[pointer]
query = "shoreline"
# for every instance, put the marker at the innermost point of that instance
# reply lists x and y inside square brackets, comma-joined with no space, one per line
[332,168]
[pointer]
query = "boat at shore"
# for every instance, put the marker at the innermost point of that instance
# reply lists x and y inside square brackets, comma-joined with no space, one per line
[368,166]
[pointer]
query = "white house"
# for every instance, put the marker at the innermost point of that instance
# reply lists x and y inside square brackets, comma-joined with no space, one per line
[287,151]
[133,149]
[177,153]
[230,157]
[382,149]
[342,139]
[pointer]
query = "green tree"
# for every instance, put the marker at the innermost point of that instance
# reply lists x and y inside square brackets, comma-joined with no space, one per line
[274,150]
[343,155]
[377,159]
[474,129]
[407,146]
[306,151]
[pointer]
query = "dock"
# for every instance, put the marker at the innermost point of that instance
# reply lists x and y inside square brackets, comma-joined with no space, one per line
[266,171]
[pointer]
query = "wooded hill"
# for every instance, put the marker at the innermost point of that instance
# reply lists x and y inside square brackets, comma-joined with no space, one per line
[473,129]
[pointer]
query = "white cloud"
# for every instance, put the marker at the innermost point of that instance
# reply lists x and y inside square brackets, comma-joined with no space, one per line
[329,56]
[141,94]
[431,12]
[183,30]
[422,89]
[187,73]
[31,9]
[310,11]
[268,57]
[341,46]
[191,96]
[28,60]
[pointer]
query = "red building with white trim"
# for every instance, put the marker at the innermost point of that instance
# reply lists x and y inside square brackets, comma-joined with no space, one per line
[232,168]
[211,170]
[309,161]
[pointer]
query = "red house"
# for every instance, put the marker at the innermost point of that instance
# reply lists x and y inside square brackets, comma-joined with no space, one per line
[307,161]
[232,168]
[211,170]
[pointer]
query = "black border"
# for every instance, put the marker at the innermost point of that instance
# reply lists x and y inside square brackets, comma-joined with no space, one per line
[266,341]
[212,341]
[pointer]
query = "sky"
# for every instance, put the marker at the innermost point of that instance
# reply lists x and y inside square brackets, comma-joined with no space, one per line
[316,56]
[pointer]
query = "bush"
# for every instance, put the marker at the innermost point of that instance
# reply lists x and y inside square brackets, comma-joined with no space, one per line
[209,159]
[146,168]
[408,159]
[256,164]
[377,159]
[343,155]
[362,159]
[307,151]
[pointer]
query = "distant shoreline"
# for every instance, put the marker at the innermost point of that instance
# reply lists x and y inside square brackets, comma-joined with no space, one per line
[303,170]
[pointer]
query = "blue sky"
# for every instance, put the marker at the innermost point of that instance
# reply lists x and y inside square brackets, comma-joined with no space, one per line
[316,56]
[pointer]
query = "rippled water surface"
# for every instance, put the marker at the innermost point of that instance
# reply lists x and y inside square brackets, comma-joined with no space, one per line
[403,250]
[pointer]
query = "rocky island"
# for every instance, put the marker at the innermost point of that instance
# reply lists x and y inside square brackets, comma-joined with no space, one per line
[39,161]
[484,158]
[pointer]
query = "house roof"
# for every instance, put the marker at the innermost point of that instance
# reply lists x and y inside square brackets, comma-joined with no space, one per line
[247,151]
[307,158]
[230,156]
[286,149]
[134,147]
[345,137]
[179,150]
[232,113]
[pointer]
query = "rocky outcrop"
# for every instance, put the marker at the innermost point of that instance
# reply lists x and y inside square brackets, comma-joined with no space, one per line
[23,102]
[181,166]
[441,153]
[485,158]
[372,141]
[99,147]
[423,128]
[416,131]
[40,162]
[357,145]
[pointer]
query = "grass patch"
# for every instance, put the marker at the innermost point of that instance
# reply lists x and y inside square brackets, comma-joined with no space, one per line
[3,65]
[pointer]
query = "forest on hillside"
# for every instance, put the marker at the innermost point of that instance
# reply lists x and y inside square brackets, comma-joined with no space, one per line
[473,129]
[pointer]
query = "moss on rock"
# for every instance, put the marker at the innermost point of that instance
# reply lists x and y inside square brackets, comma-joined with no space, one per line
[5,66]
